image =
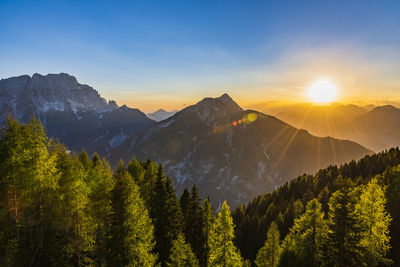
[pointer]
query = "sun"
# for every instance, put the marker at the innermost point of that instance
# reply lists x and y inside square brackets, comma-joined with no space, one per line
[322,91]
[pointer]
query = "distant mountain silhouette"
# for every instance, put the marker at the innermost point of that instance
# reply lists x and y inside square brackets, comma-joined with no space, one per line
[376,128]
[160,115]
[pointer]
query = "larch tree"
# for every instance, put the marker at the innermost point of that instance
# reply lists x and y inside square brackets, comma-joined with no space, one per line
[131,232]
[376,220]
[345,228]
[74,192]
[309,233]
[28,182]
[207,223]
[181,254]
[269,254]
[392,180]
[222,250]
[101,187]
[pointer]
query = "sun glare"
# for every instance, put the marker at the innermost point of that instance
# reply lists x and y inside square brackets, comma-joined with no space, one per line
[322,92]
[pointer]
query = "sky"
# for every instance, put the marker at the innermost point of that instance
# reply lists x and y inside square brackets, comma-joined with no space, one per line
[168,54]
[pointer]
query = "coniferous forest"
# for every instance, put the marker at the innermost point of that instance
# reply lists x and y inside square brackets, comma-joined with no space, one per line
[62,208]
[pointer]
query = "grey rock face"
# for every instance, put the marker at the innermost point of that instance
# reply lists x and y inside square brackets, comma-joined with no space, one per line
[72,112]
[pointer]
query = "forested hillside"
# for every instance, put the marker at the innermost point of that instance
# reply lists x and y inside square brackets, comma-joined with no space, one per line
[61,208]
[286,205]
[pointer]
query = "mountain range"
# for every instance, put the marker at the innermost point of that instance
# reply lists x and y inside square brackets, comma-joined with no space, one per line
[377,128]
[74,113]
[231,153]
[228,152]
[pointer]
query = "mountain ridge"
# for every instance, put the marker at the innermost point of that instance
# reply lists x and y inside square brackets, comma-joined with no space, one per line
[215,144]
[72,112]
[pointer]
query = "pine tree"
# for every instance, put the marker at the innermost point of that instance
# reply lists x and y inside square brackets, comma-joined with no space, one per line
[131,231]
[181,254]
[376,223]
[193,222]
[345,228]
[222,250]
[184,202]
[166,215]
[269,254]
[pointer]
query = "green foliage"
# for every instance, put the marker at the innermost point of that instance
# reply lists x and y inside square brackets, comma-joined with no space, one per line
[166,215]
[59,208]
[345,228]
[269,254]
[206,227]
[181,254]
[28,185]
[375,222]
[73,192]
[222,250]
[101,185]
[253,219]
[184,201]
[391,178]
[193,222]
[131,231]
[305,243]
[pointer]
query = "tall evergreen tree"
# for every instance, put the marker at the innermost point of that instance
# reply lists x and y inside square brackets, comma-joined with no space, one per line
[147,189]
[207,223]
[392,180]
[184,202]
[131,231]
[28,182]
[309,233]
[345,228]
[193,222]
[84,158]
[166,215]
[222,250]
[269,254]
[136,170]
[376,223]
[102,184]
[74,207]
[181,254]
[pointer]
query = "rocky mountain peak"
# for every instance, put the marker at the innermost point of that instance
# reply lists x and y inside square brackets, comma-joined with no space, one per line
[112,105]
[62,80]
[26,95]
[222,106]
[225,98]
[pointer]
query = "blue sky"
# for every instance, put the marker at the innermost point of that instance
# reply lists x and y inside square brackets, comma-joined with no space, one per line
[151,54]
